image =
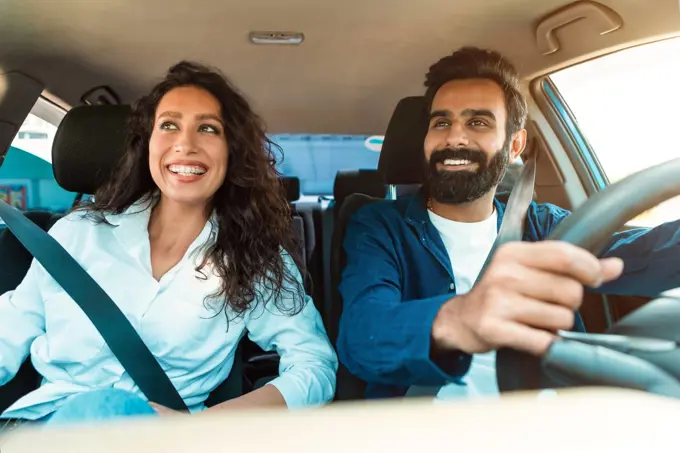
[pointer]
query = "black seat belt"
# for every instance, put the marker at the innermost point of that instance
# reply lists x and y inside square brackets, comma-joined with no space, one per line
[512,229]
[114,327]
[514,218]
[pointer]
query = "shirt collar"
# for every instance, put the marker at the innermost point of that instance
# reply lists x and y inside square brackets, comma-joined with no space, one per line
[131,229]
[416,211]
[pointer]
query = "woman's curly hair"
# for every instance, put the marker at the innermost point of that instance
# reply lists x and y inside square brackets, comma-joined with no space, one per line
[252,212]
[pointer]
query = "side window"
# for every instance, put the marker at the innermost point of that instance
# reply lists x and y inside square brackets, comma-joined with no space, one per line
[626,106]
[26,178]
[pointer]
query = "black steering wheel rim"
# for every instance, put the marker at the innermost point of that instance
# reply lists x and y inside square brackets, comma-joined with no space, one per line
[591,227]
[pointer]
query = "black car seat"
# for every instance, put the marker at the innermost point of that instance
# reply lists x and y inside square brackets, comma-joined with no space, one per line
[348,182]
[401,167]
[401,159]
[88,143]
[291,186]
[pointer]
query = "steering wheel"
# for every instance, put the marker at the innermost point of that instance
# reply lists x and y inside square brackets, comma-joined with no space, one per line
[640,351]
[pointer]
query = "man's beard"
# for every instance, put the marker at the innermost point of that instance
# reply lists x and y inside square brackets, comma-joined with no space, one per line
[462,186]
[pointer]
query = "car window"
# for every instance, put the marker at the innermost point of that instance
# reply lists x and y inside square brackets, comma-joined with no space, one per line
[26,177]
[316,159]
[626,105]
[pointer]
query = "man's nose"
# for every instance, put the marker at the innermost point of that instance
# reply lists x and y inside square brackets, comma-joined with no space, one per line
[457,136]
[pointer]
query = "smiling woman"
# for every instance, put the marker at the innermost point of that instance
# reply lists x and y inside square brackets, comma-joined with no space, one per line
[191,237]
[187,120]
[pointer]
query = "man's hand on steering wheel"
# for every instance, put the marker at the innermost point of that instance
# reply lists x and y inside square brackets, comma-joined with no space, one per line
[528,292]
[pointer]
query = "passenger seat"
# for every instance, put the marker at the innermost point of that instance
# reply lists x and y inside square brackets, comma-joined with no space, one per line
[89,142]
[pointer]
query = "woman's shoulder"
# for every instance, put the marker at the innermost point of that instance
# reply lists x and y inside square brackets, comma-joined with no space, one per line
[74,226]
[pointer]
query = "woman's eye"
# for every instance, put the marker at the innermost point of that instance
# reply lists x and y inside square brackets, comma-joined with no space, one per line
[209,129]
[168,126]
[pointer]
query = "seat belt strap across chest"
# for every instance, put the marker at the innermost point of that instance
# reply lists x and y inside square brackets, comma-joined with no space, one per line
[512,229]
[108,319]
[515,215]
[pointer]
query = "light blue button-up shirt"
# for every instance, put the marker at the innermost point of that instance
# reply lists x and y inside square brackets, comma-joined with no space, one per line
[194,347]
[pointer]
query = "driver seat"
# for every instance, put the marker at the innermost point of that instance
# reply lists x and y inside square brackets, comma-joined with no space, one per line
[401,159]
[404,135]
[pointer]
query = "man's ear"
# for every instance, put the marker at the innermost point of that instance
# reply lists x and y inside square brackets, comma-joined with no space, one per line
[518,143]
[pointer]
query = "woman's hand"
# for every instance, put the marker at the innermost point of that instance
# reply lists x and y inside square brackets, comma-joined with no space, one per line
[164,411]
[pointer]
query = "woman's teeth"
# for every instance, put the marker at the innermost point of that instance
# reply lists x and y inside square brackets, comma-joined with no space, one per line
[186,170]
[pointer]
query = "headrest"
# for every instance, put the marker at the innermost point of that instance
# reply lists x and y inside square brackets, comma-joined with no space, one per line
[88,145]
[403,150]
[402,154]
[292,186]
[347,182]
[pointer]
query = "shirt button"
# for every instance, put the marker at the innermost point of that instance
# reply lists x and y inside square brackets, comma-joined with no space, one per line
[452,286]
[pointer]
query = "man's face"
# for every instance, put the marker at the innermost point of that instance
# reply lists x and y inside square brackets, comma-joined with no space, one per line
[466,148]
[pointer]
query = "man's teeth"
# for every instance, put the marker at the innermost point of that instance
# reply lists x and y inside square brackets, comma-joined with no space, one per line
[454,162]
[186,170]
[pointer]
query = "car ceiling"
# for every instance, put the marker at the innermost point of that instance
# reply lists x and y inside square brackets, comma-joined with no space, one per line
[358,59]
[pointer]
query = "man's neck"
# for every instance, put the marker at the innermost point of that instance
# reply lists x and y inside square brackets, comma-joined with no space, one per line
[475,211]
[176,223]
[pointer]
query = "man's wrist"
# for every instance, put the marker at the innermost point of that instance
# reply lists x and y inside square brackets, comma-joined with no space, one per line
[446,327]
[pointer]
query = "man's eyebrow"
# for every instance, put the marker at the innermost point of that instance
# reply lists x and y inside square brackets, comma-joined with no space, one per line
[479,112]
[441,113]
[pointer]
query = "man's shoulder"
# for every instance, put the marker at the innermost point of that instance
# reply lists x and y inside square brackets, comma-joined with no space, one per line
[545,217]
[542,210]
[384,210]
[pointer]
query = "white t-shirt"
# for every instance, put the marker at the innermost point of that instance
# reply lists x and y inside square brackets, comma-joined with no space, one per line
[468,245]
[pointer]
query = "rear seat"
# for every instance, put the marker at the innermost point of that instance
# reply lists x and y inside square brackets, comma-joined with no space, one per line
[292,188]
[348,182]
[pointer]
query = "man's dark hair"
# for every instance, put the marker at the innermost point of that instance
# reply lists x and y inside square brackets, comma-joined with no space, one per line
[475,63]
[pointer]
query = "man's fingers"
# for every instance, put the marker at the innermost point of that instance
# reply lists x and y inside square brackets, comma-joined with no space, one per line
[539,285]
[561,258]
[611,268]
[523,338]
[539,314]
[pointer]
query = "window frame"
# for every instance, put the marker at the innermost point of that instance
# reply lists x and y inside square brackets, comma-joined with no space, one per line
[562,120]
[48,111]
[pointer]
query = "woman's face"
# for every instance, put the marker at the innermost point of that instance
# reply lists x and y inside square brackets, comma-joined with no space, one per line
[188,150]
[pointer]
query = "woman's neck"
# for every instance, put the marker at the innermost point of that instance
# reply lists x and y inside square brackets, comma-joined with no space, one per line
[175,224]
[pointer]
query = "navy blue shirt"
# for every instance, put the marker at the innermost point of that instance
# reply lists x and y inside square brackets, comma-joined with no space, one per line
[398,274]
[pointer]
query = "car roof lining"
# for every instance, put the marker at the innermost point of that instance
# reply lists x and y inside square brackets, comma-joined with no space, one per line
[359,58]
